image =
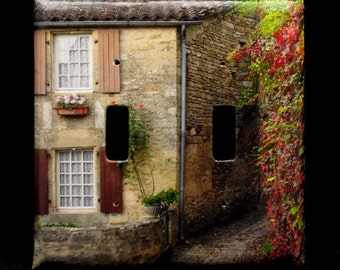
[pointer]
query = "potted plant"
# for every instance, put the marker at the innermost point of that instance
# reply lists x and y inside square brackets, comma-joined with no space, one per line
[169,196]
[73,104]
[152,203]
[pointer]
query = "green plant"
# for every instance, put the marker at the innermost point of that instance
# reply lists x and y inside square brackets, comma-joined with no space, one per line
[266,248]
[167,196]
[276,54]
[70,101]
[139,139]
[59,224]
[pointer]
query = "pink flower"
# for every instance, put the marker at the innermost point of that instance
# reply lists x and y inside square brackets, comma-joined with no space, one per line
[141,105]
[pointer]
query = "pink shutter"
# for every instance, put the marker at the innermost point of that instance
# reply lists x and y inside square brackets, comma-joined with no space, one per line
[111,198]
[109,61]
[39,62]
[41,181]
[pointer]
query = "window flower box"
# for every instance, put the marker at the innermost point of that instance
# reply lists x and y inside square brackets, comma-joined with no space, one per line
[71,105]
[81,110]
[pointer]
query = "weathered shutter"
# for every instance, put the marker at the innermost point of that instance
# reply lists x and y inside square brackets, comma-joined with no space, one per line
[108,62]
[41,181]
[39,62]
[110,185]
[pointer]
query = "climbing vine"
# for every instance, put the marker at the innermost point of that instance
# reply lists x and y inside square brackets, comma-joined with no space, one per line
[276,54]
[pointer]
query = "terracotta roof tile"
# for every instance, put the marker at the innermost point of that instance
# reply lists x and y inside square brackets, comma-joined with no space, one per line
[129,10]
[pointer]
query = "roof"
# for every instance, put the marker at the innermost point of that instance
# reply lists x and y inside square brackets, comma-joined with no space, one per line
[127,11]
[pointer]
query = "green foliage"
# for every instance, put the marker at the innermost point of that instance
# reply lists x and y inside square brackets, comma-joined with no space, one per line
[276,54]
[168,197]
[271,23]
[59,224]
[139,140]
[266,248]
[139,130]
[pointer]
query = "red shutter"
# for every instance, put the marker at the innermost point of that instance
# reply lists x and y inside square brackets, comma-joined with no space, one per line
[39,62]
[110,185]
[41,181]
[108,61]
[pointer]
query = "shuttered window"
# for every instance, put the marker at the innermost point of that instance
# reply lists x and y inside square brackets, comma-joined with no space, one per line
[110,185]
[108,61]
[72,68]
[40,179]
[39,62]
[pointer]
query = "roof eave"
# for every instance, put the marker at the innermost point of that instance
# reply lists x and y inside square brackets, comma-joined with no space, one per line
[70,24]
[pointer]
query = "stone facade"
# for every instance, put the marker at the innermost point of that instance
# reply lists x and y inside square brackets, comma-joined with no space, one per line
[151,74]
[215,190]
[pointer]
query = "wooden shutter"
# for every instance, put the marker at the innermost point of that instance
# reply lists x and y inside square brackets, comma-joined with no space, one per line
[39,62]
[108,62]
[110,185]
[41,181]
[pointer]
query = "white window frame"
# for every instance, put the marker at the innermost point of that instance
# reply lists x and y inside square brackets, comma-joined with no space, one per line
[74,172]
[70,52]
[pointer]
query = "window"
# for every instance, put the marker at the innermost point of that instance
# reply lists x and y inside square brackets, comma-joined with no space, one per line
[117,132]
[73,63]
[224,132]
[75,179]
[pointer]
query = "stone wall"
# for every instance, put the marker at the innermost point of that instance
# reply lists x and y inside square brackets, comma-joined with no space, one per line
[132,243]
[150,74]
[215,190]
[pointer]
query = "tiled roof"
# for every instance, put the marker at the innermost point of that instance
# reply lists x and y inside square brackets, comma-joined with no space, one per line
[129,10]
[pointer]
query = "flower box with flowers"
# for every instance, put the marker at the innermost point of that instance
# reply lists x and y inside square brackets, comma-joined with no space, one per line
[71,105]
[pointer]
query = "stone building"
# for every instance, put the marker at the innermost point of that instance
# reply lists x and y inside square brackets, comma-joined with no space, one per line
[170,56]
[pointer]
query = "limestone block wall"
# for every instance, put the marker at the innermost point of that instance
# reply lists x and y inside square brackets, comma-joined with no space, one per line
[131,243]
[149,75]
[215,190]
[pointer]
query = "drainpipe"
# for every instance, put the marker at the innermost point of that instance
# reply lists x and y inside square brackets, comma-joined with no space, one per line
[183,111]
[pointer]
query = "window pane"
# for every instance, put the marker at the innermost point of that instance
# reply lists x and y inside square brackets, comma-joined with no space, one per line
[76,155]
[75,179]
[76,167]
[64,179]
[64,156]
[88,179]
[87,156]
[64,167]
[64,202]
[87,167]
[73,62]
[88,190]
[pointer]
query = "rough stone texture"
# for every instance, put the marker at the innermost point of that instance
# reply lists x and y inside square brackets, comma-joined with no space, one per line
[211,81]
[151,74]
[148,76]
[238,242]
[132,243]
